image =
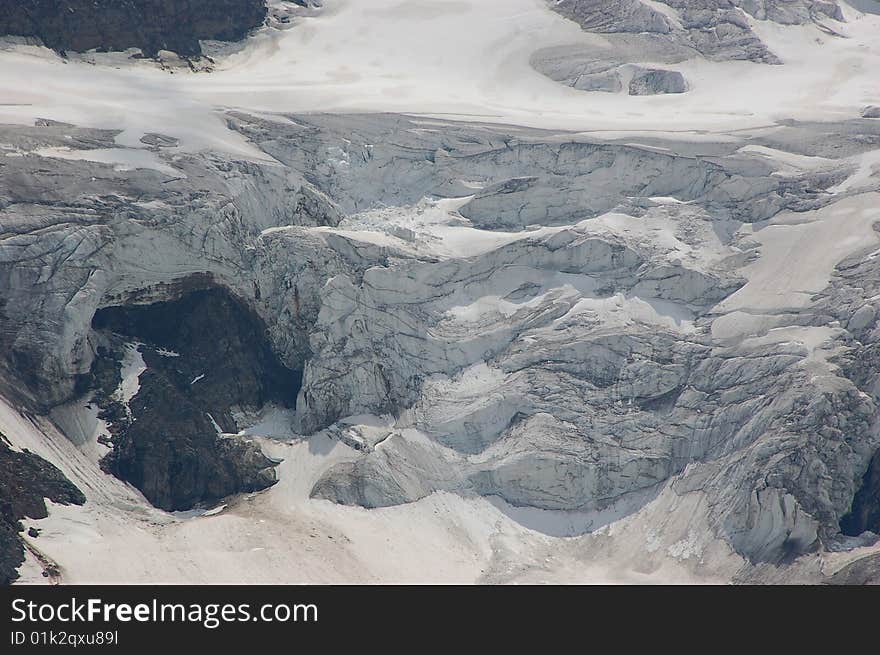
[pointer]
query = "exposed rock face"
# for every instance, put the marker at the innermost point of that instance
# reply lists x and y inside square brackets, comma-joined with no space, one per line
[207,356]
[86,203]
[217,340]
[150,25]
[139,238]
[25,481]
[668,32]
[609,16]
[865,512]
[864,571]
[609,82]
[718,29]
[173,454]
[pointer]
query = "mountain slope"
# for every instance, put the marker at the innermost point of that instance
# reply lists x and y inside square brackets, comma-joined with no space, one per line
[566,329]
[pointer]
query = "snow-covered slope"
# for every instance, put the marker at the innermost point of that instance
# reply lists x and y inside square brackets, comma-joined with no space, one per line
[559,318]
[463,58]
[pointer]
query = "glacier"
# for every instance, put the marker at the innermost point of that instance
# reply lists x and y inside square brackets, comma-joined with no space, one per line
[511,291]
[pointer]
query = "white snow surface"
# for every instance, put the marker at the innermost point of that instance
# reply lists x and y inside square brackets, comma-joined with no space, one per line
[799,252]
[123,159]
[132,366]
[419,56]
[282,536]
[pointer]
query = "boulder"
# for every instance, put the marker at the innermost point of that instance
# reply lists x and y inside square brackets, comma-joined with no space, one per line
[655,81]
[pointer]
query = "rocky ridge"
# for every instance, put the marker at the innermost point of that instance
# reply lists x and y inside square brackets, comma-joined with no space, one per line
[669,32]
[204,358]
[148,25]
[26,480]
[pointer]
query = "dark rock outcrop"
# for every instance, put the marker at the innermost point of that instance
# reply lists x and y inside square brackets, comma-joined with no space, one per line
[173,454]
[863,571]
[865,512]
[167,444]
[150,25]
[25,481]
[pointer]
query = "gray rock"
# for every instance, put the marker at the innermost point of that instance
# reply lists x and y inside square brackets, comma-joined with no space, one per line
[150,25]
[159,140]
[607,82]
[165,440]
[655,81]
[863,318]
[637,32]
[26,480]
[863,571]
[613,15]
